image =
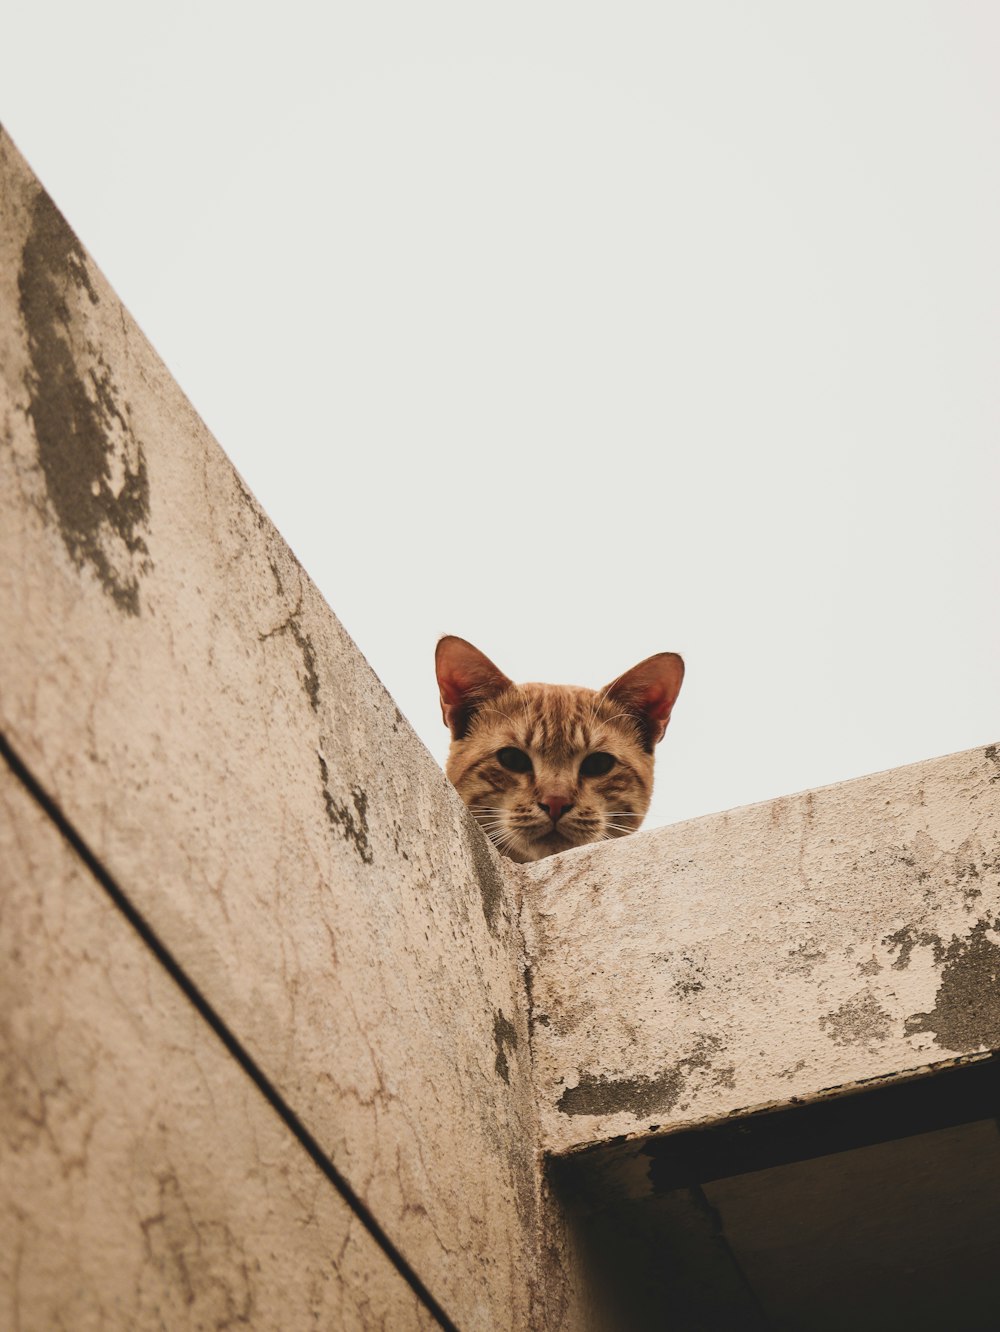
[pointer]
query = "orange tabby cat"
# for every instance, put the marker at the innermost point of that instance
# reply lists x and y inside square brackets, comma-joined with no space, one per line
[546,767]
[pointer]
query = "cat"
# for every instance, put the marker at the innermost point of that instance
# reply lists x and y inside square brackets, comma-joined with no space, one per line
[547,767]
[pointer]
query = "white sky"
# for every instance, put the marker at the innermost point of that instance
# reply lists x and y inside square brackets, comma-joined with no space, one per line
[584,331]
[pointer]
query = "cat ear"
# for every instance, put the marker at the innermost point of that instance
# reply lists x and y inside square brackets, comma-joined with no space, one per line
[467,679]
[649,691]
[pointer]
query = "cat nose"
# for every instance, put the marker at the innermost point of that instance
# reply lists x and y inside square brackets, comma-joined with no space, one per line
[555,806]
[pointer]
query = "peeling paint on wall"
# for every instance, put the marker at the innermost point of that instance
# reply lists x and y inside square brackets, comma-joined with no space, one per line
[639,1096]
[352,825]
[966,1014]
[859,1021]
[93,464]
[802,960]
[906,939]
[939,873]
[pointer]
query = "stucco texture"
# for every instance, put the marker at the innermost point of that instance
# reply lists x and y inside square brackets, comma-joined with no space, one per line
[228,804]
[777,952]
[175,683]
[145,1182]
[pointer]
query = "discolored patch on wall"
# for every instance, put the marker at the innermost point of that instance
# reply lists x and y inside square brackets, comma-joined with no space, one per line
[690,976]
[93,465]
[906,939]
[292,625]
[966,1013]
[802,960]
[925,871]
[505,1038]
[861,1020]
[352,825]
[596,1094]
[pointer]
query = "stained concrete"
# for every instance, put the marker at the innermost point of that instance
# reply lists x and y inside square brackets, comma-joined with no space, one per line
[768,955]
[767,1056]
[177,686]
[690,1079]
[145,1182]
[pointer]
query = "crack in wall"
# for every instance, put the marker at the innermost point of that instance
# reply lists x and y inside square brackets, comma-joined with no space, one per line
[351,824]
[292,624]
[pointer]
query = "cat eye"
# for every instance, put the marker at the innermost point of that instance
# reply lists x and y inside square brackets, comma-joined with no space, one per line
[596,765]
[514,760]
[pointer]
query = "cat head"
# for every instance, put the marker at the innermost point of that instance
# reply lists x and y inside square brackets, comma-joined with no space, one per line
[546,767]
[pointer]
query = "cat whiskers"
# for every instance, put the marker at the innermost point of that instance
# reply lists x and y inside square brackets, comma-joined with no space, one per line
[506,716]
[503,841]
[614,717]
[596,705]
[494,820]
[490,828]
[494,829]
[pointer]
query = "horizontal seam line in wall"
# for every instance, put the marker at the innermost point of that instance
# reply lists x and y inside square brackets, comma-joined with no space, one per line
[149,937]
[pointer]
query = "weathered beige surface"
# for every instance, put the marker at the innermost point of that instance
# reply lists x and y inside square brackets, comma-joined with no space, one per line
[773,952]
[145,1181]
[177,684]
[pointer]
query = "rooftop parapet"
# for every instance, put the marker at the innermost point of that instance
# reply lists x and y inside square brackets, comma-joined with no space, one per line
[286,1041]
[766,1053]
[768,955]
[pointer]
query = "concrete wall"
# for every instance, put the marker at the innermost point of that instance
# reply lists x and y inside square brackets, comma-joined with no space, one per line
[286,1044]
[175,684]
[767,1053]
[148,1182]
[768,955]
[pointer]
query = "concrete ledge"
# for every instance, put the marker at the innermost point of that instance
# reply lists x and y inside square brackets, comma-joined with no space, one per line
[768,956]
[765,1051]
